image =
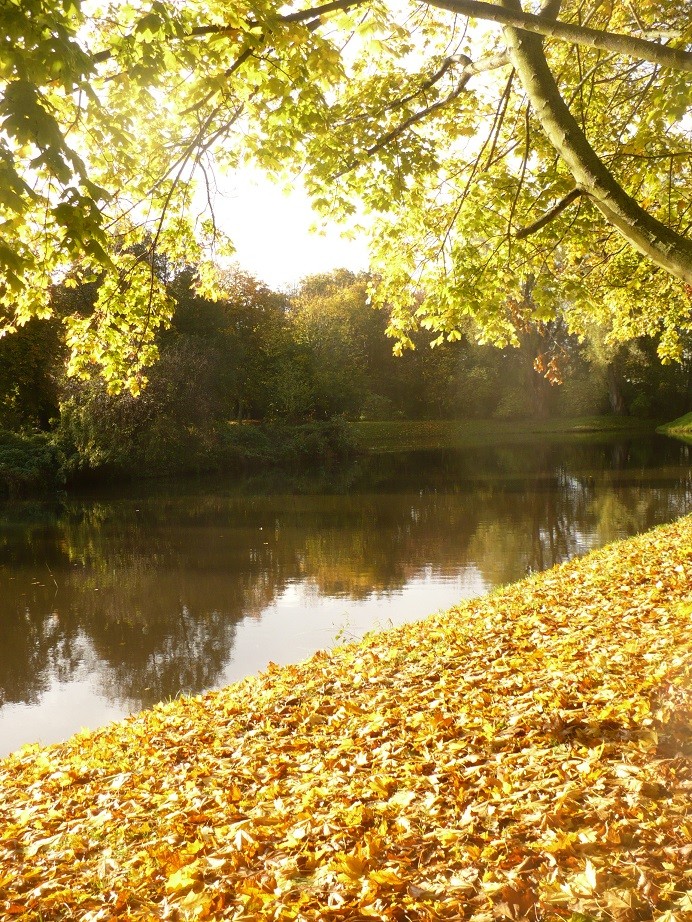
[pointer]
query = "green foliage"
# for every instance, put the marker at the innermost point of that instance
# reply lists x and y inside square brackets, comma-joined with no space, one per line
[514,404]
[30,365]
[166,429]
[27,462]
[641,405]
[582,394]
[257,378]
[333,322]
[221,361]
[377,407]
[680,428]
[246,336]
[309,443]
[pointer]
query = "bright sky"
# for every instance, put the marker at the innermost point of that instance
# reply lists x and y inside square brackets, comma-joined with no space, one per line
[271,231]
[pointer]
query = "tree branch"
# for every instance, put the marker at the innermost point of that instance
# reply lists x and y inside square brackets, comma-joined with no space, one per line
[469,70]
[299,16]
[638,48]
[309,15]
[643,231]
[642,49]
[401,102]
[549,215]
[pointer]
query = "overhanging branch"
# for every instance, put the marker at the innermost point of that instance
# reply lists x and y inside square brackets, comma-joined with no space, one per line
[469,70]
[549,215]
[639,48]
[311,15]
[664,246]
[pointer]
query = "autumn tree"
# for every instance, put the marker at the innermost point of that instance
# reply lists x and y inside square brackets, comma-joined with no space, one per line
[497,151]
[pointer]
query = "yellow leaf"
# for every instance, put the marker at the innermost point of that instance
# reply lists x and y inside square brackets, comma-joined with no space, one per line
[386,876]
[590,875]
[353,865]
[685,902]
[183,878]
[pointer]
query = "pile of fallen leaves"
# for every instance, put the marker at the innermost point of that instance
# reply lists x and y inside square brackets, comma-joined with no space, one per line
[526,755]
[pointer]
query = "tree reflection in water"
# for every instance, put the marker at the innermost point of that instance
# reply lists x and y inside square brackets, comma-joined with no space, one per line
[145,595]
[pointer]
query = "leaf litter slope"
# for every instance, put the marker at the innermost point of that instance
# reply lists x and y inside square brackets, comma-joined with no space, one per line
[525,755]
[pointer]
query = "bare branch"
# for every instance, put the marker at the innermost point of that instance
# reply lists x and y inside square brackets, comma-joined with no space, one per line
[500,118]
[524,164]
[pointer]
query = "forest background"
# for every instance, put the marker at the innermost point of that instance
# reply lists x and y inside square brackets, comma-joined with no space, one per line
[263,377]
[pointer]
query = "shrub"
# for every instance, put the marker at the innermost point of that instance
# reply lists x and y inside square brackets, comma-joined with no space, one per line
[641,406]
[582,395]
[27,462]
[515,403]
[378,407]
[279,443]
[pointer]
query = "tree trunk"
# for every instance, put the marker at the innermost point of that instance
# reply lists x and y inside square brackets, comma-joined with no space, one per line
[615,395]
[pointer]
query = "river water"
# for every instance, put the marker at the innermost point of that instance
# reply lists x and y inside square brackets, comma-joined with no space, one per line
[110,603]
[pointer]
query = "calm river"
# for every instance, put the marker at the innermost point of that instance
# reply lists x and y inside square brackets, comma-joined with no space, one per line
[111,603]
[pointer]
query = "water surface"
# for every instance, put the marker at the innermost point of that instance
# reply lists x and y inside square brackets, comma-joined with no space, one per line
[112,602]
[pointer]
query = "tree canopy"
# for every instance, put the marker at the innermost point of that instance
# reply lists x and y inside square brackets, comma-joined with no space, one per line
[517,164]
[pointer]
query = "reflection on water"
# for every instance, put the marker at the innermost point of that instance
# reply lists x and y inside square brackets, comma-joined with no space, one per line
[109,604]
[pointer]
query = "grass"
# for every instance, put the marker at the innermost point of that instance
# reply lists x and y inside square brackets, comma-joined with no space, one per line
[428,434]
[521,756]
[680,428]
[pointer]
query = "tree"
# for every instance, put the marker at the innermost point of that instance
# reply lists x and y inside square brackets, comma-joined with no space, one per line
[500,151]
[329,316]
[30,366]
[231,355]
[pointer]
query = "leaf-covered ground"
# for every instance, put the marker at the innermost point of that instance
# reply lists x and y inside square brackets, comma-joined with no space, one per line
[526,755]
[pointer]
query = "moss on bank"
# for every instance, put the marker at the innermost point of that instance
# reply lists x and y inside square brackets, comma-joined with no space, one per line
[523,755]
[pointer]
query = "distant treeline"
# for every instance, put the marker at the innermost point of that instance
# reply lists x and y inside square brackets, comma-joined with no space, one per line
[268,377]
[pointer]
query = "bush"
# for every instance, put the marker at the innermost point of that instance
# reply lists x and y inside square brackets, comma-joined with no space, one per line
[27,462]
[378,407]
[642,406]
[245,442]
[515,403]
[282,444]
[170,428]
[313,442]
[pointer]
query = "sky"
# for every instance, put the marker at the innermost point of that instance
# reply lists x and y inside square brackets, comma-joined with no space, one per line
[271,231]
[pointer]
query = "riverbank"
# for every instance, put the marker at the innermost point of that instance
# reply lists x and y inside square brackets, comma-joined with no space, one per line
[413,435]
[680,428]
[521,755]
[47,462]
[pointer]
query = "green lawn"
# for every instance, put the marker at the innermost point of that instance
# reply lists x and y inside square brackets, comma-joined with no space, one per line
[422,434]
